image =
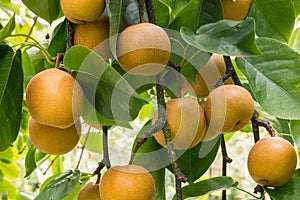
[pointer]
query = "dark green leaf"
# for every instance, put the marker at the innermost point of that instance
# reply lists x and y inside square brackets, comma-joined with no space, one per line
[161,13]
[233,38]
[61,186]
[211,11]
[274,78]
[273,18]
[290,190]
[58,41]
[30,163]
[6,31]
[181,12]
[103,86]
[114,8]
[11,95]
[195,162]
[49,10]
[207,186]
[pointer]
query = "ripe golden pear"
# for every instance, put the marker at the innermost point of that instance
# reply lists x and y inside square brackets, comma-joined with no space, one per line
[94,35]
[51,140]
[89,192]
[80,11]
[54,98]
[186,120]
[129,182]
[143,49]
[208,76]
[236,9]
[228,108]
[272,161]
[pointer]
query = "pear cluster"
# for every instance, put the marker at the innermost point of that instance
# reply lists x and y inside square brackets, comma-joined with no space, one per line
[128,182]
[225,109]
[55,101]
[92,26]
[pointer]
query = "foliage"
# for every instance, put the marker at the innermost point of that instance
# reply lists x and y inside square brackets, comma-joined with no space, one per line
[264,49]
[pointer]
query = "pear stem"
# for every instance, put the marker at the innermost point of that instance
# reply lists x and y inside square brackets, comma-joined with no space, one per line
[141,10]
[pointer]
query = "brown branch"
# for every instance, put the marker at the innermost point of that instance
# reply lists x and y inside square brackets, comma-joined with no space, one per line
[82,148]
[264,123]
[106,160]
[225,160]
[101,165]
[70,32]
[141,10]
[150,11]
[31,28]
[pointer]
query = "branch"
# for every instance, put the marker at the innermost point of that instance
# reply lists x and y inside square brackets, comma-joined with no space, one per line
[141,10]
[82,148]
[264,123]
[225,160]
[150,11]
[106,160]
[31,28]
[70,33]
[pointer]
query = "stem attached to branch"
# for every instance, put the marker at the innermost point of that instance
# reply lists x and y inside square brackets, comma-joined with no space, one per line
[106,159]
[70,33]
[225,160]
[150,11]
[82,148]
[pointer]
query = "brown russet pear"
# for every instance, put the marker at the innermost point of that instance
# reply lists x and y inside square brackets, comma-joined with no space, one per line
[272,161]
[94,35]
[80,11]
[51,140]
[89,192]
[129,182]
[143,49]
[236,9]
[187,124]
[208,76]
[55,98]
[228,108]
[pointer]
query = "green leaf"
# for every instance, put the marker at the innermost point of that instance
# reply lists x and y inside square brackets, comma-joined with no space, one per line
[207,186]
[274,78]
[93,143]
[103,86]
[290,190]
[30,163]
[9,188]
[7,155]
[195,162]
[11,95]
[49,10]
[211,11]
[181,12]
[295,130]
[33,62]
[58,39]
[161,13]
[114,9]
[233,38]
[296,7]
[10,170]
[273,18]
[295,40]
[8,29]
[60,186]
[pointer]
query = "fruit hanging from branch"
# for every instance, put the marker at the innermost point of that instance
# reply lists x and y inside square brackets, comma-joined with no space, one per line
[272,161]
[129,182]
[143,49]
